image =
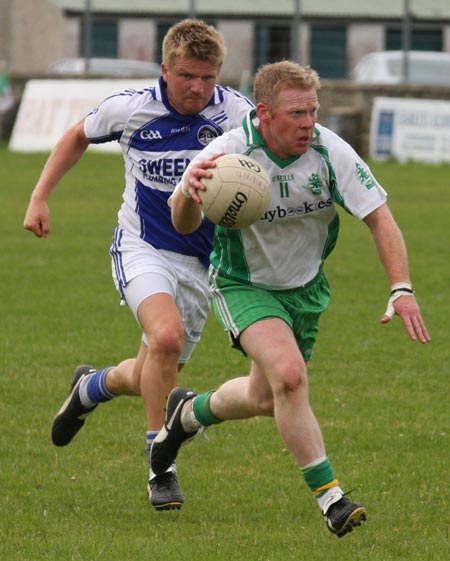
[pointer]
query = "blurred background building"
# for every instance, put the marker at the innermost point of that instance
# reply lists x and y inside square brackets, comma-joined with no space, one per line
[330,35]
[43,39]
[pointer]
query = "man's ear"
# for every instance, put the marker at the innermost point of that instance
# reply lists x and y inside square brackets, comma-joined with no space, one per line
[164,70]
[263,112]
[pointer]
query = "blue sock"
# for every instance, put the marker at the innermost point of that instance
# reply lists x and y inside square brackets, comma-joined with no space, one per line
[96,390]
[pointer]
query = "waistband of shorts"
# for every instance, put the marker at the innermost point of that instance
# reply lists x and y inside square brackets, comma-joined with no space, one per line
[216,273]
[320,273]
[173,255]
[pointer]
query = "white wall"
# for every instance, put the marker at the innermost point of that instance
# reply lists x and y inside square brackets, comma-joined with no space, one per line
[446,46]
[137,38]
[36,35]
[72,38]
[361,40]
[238,37]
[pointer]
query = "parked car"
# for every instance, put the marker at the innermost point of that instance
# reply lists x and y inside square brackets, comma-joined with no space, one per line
[386,67]
[106,67]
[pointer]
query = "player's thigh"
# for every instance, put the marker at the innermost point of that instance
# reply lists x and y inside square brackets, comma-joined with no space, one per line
[145,285]
[272,346]
[305,306]
[238,306]
[139,270]
[159,316]
[193,296]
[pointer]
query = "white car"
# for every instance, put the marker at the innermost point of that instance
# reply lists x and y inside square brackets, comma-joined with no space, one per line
[387,67]
[106,67]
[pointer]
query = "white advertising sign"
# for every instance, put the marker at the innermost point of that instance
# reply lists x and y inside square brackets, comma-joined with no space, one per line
[50,107]
[410,129]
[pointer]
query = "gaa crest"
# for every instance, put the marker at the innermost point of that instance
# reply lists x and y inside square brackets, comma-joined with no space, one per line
[315,184]
[206,134]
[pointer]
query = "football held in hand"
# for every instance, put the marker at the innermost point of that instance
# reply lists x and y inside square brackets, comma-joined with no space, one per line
[238,193]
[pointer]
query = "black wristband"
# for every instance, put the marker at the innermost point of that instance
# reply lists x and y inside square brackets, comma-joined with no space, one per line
[408,290]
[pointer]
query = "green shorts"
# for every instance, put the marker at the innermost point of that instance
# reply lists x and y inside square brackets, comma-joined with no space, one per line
[238,305]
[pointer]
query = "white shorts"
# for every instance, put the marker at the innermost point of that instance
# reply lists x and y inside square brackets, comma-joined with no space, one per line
[139,270]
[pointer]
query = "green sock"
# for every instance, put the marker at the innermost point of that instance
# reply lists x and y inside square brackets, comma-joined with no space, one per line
[320,478]
[202,410]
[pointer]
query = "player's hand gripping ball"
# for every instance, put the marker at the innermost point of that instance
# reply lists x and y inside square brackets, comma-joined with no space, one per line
[238,193]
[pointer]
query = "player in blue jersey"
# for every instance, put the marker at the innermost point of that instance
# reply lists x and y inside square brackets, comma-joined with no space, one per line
[160,274]
[268,283]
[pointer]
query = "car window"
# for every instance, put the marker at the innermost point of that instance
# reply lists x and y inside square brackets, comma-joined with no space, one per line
[387,67]
[422,71]
[106,66]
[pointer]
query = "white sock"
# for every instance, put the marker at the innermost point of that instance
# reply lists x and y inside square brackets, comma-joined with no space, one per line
[82,391]
[328,497]
[188,419]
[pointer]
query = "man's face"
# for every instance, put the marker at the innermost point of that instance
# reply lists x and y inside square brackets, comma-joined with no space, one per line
[190,84]
[289,127]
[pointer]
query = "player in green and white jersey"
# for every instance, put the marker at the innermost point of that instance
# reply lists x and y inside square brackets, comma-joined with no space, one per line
[286,247]
[268,284]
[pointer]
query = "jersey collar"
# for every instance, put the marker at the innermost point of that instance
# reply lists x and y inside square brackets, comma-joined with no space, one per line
[254,140]
[161,95]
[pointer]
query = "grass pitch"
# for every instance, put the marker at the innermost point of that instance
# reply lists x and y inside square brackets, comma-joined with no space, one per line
[381,399]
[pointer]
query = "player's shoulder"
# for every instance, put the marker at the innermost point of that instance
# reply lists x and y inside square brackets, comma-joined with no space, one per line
[232,141]
[133,96]
[237,135]
[324,135]
[327,141]
[119,106]
[226,94]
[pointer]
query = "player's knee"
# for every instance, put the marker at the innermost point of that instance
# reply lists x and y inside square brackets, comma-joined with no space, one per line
[291,379]
[167,341]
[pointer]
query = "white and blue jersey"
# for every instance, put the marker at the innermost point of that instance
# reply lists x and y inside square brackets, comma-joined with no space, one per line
[158,143]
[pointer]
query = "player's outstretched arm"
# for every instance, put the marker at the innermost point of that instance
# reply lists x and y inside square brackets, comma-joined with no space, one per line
[392,251]
[63,157]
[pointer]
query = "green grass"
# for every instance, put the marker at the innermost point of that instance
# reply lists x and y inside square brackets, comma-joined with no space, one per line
[381,399]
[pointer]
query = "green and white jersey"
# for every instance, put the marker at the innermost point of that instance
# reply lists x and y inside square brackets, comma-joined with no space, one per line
[287,246]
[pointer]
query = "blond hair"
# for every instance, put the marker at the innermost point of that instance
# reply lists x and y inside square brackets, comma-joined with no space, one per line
[193,38]
[271,78]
